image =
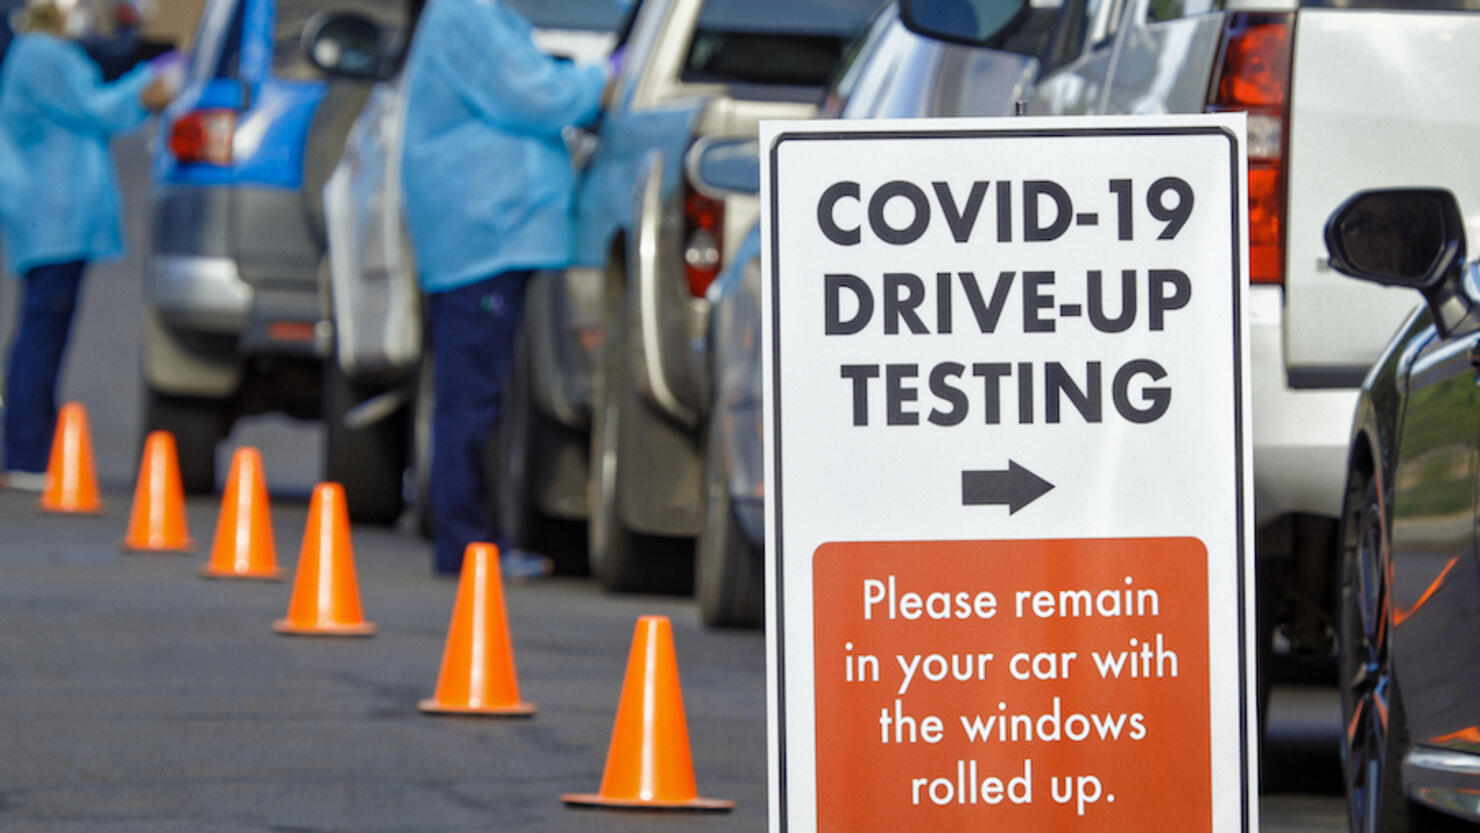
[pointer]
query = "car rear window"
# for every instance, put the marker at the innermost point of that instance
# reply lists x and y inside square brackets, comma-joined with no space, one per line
[773,42]
[287,54]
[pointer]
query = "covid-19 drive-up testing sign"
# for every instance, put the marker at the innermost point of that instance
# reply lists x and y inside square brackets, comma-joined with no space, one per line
[1008,506]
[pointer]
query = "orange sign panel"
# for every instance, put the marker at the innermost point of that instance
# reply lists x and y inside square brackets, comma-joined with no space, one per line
[1013,685]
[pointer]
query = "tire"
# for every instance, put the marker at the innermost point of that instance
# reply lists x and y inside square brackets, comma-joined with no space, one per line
[1372,749]
[622,560]
[523,432]
[198,424]
[729,571]
[369,461]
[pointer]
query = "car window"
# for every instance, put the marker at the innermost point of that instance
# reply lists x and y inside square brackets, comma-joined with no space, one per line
[593,15]
[1101,22]
[1082,27]
[231,44]
[782,42]
[849,72]
[287,54]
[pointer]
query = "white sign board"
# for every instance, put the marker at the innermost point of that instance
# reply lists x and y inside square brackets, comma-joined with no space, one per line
[1009,513]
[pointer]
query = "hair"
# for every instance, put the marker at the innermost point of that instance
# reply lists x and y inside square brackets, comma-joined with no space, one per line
[40,16]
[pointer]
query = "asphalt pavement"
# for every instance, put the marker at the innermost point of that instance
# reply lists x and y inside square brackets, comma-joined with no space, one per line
[135,696]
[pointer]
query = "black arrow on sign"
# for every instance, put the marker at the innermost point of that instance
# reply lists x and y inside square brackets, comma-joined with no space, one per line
[1017,487]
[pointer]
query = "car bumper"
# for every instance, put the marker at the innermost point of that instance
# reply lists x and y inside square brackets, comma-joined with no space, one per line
[1444,779]
[200,294]
[207,295]
[1300,435]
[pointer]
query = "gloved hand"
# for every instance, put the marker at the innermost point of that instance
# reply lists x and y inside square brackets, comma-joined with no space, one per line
[157,95]
[170,68]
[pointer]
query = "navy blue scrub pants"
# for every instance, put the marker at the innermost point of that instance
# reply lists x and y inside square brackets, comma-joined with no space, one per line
[472,333]
[47,306]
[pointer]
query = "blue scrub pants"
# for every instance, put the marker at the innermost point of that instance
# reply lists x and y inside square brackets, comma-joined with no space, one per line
[472,332]
[46,311]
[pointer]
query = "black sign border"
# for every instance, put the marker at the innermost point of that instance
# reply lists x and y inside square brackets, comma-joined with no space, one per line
[1236,221]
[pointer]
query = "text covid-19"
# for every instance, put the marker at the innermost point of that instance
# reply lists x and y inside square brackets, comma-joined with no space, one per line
[995,388]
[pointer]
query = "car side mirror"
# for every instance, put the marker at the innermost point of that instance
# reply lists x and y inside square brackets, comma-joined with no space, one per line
[345,44]
[971,22]
[722,165]
[1413,237]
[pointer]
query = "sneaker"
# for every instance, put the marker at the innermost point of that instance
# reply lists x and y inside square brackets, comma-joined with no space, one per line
[25,481]
[522,565]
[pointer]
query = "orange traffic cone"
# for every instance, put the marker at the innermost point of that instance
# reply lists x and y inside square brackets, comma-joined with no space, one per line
[244,547]
[71,479]
[649,765]
[477,676]
[326,594]
[157,522]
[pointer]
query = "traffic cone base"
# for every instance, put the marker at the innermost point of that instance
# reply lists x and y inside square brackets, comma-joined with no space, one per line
[97,511]
[187,547]
[287,628]
[272,574]
[693,805]
[432,706]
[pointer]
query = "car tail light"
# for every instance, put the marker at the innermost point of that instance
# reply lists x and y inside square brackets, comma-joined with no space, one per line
[703,224]
[125,15]
[203,136]
[1254,76]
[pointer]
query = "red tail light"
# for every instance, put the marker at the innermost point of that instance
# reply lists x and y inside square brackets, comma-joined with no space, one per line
[1254,76]
[703,221]
[203,136]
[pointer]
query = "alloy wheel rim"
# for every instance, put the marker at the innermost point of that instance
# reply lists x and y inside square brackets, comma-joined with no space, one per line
[1368,679]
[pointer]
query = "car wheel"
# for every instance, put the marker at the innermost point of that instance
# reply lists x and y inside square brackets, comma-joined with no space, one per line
[623,560]
[523,431]
[369,460]
[1376,736]
[197,423]
[729,577]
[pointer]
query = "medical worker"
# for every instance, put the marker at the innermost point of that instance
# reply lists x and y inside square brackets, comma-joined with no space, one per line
[59,204]
[488,187]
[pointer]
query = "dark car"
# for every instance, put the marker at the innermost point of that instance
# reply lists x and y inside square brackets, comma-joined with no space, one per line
[1408,606]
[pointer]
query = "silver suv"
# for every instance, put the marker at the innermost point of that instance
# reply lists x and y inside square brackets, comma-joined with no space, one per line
[613,347]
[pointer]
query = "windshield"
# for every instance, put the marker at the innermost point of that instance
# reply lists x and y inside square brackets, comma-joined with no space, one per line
[848,72]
